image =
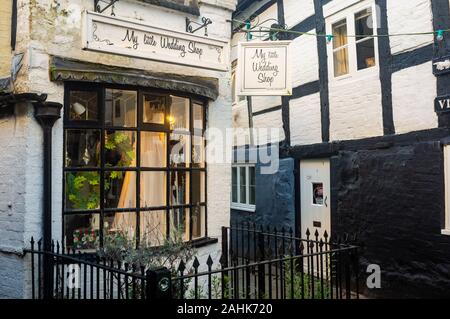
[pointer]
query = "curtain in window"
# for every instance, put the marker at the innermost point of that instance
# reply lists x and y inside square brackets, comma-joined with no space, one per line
[340,50]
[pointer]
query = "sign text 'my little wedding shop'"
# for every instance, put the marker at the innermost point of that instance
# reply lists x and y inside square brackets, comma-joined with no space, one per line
[264,68]
[133,38]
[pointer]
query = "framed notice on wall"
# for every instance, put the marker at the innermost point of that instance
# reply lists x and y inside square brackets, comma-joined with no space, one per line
[264,68]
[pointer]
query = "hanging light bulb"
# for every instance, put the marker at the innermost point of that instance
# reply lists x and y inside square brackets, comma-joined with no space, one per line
[329,38]
[440,35]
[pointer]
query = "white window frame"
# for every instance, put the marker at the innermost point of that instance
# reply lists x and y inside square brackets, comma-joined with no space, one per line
[348,14]
[446,151]
[237,205]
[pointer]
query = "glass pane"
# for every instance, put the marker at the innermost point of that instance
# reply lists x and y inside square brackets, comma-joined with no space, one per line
[198,222]
[365,51]
[317,193]
[120,149]
[83,105]
[82,148]
[198,117]
[243,185]
[198,152]
[120,108]
[81,231]
[198,187]
[252,185]
[364,24]
[179,188]
[179,114]
[339,34]
[153,228]
[120,189]
[341,62]
[154,109]
[234,185]
[180,150]
[153,189]
[120,226]
[179,224]
[153,149]
[82,190]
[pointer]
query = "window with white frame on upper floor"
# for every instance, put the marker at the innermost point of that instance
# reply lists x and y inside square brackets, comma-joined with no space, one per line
[354,45]
[243,190]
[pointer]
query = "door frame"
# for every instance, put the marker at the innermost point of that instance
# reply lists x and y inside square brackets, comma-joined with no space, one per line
[332,198]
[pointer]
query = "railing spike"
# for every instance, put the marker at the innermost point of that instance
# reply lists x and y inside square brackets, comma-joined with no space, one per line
[196,263]
[209,261]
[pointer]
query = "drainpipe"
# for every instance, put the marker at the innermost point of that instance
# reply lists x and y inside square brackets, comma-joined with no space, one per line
[47,113]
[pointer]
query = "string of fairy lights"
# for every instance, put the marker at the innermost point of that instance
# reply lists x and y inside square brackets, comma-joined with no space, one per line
[252,30]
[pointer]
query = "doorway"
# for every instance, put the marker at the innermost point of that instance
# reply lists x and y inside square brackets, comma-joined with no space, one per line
[315,197]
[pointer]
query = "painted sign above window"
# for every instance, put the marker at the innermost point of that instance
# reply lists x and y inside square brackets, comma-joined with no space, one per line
[264,68]
[442,104]
[135,39]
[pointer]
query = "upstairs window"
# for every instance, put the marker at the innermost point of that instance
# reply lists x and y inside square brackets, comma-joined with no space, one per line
[365,43]
[340,48]
[354,46]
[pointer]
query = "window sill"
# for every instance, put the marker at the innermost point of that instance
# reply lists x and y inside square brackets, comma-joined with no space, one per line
[445,232]
[202,242]
[245,208]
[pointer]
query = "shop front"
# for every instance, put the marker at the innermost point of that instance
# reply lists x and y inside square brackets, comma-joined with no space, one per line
[137,91]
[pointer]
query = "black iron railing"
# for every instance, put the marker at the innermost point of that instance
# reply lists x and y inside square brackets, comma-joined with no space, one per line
[261,263]
[255,263]
[76,275]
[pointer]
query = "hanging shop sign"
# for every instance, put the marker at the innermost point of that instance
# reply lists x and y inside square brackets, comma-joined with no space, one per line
[264,68]
[442,104]
[133,38]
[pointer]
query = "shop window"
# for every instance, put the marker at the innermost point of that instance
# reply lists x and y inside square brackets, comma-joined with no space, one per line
[243,192]
[354,45]
[131,168]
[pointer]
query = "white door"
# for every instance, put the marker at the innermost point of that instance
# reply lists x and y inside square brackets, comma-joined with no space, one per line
[315,196]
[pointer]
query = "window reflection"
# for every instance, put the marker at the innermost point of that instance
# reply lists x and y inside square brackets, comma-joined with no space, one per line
[82,190]
[119,225]
[81,231]
[153,227]
[180,150]
[153,149]
[120,149]
[82,148]
[83,105]
[120,108]
[179,187]
[179,114]
[179,223]
[153,189]
[154,109]
[120,189]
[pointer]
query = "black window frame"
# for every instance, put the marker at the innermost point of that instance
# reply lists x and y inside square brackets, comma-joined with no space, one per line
[99,124]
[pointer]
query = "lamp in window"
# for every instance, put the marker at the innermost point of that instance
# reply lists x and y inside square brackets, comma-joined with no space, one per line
[78,108]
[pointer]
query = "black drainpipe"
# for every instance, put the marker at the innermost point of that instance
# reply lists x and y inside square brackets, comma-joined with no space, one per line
[47,113]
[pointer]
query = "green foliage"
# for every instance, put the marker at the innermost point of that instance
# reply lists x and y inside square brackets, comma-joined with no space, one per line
[296,278]
[83,188]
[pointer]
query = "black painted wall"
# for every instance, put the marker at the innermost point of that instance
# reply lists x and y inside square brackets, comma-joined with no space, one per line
[393,200]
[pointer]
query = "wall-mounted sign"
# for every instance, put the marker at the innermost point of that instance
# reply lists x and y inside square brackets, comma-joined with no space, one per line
[442,104]
[264,68]
[135,39]
[441,66]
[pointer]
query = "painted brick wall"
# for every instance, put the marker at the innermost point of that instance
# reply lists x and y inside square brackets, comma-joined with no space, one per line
[413,94]
[5,38]
[305,120]
[305,61]
[296,11]
[409,16]
[264,123]
[355,107]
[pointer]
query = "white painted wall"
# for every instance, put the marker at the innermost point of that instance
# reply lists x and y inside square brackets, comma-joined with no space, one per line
[48,29]
[413,94]
[296,11]
[406,17]
[305,120]
[305,60]
[264,124]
